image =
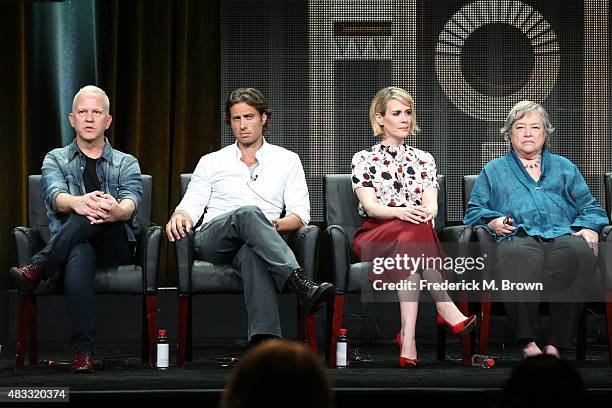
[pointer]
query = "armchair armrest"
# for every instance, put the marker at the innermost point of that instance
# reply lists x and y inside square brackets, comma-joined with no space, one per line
[604,235]
[457,243]
[340,253]
[486,248]
[28,242]
[304,244]
[605,255]
[184,261]
[147,256]
[457,234]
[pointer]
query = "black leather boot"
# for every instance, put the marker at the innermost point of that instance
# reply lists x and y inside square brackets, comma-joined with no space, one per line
[310,295]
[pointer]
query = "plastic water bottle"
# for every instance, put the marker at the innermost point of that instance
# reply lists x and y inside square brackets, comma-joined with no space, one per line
[342,350]
[482,361]
[163,350]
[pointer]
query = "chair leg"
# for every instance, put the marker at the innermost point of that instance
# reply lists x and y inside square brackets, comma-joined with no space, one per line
[24,314]
[609,321]
[149,330]
[33,329]
[189,346]
[301,324]
[485,320]
[144,336]
[441,343]
[182,330]
[466,343]
[306,329]
[336,326]
[311,332]
[329,322]
[581,337]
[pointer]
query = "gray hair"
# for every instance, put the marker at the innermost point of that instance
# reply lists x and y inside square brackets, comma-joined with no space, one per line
[92,90]
[519,110]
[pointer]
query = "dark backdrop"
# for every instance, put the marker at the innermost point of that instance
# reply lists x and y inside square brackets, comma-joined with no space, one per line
[156,59]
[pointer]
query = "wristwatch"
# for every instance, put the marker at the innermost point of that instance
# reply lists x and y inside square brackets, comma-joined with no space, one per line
[275,224]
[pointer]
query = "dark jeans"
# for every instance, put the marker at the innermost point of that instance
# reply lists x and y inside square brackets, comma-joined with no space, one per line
[79,247]
[247,239]
[566,262]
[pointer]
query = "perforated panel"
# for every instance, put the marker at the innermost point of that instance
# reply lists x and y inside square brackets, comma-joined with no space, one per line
[320,62]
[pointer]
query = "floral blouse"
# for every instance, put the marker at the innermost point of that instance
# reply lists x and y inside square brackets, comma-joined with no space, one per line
[398,174]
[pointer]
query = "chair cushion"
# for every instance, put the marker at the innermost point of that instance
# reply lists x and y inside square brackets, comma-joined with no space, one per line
[124,279]
[357,272]
[207,277]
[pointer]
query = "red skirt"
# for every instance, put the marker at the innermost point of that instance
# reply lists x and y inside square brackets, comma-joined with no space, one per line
[397,248]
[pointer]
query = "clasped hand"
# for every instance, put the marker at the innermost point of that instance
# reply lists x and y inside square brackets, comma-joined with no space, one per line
[98,207]
[414,214]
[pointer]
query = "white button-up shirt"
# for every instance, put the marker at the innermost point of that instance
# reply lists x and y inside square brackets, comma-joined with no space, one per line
[221,183]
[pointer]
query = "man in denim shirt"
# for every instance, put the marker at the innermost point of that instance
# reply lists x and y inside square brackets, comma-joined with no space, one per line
[92,193]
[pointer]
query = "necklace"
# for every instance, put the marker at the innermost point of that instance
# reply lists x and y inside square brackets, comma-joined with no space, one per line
[533,163]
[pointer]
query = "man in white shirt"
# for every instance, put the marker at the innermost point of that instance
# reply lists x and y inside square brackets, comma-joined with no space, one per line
[241,192]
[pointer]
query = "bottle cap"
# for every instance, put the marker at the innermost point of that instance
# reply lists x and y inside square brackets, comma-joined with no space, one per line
[162,332]
[342,331]
[490,362]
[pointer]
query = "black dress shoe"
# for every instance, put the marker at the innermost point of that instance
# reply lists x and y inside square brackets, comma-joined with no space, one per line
[82,363]
[310,295]
[28,276]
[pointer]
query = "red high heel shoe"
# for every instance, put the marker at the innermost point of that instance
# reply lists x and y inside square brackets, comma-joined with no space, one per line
[405,362]
[461,328]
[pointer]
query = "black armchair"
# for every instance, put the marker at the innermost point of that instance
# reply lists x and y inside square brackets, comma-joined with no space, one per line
[199,277]
[486,246]
[606,261]
[137,279]
[342,219]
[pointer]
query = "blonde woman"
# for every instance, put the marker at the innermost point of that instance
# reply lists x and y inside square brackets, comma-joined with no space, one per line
[397,188]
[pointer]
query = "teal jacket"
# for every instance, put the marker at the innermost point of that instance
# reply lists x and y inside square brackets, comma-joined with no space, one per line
[559,203]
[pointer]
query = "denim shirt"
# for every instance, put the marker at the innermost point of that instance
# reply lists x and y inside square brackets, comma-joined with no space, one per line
[558,203]
[62,172]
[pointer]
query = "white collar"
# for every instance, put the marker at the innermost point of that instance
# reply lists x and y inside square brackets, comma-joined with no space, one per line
[259,154]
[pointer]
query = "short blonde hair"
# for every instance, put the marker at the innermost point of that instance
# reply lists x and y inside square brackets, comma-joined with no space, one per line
[92,90]
[379,105]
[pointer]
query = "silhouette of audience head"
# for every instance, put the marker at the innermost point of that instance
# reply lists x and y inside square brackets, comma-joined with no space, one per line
[279,373]
[543,381]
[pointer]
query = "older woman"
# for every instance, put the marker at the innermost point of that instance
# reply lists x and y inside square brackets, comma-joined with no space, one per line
[546,224]
[397,188]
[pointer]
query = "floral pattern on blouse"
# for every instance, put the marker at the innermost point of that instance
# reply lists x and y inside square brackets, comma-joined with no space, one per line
[398,174]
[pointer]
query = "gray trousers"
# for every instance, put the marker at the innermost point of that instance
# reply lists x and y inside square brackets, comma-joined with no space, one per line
[245,238]
[565,267]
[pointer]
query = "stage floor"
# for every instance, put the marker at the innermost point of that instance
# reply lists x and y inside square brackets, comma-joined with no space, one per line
[373,371]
